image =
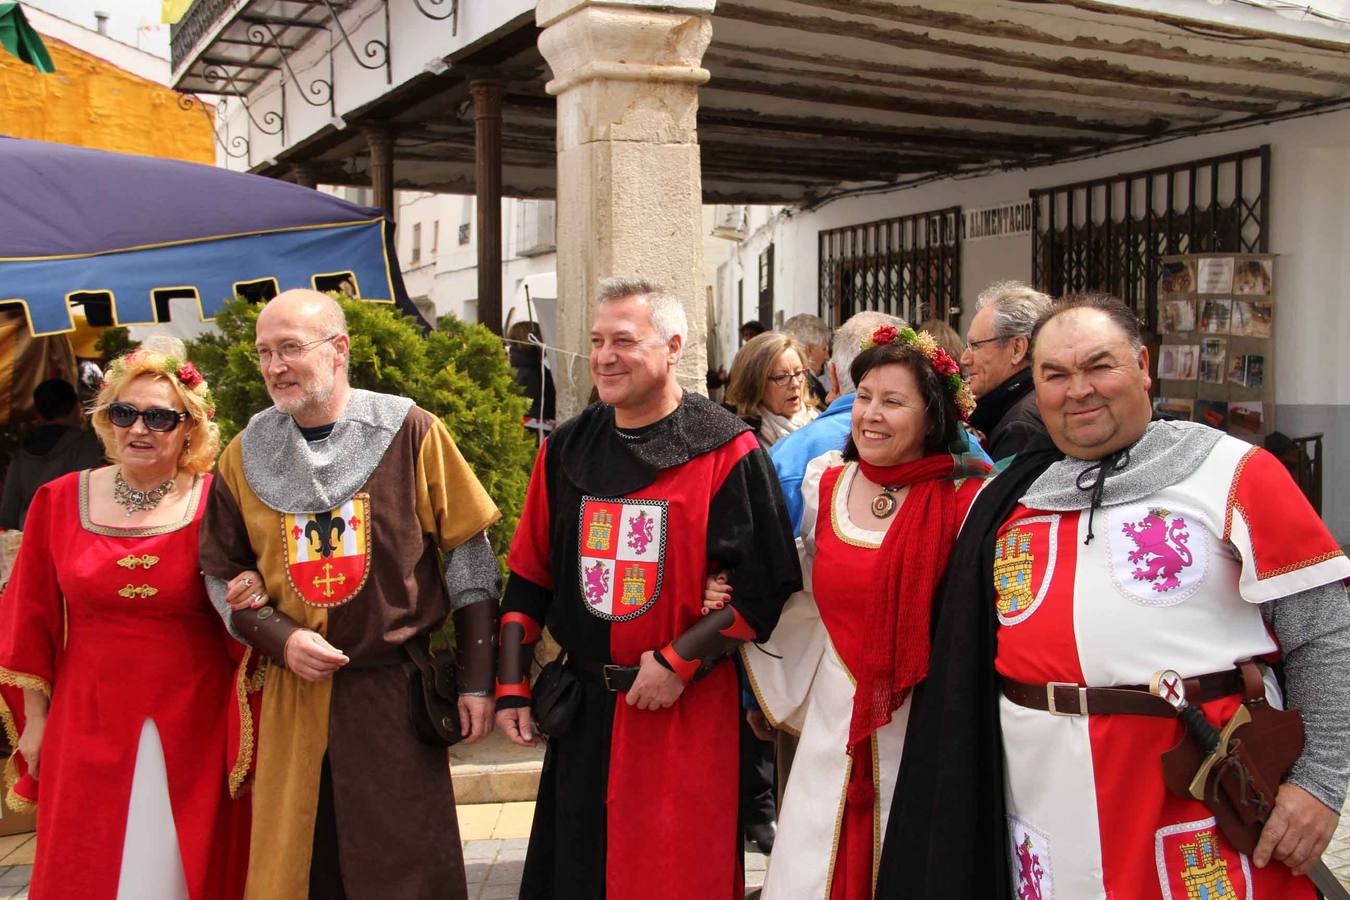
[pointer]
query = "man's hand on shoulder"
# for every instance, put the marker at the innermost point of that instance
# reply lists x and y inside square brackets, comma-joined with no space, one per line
[311,657]
[475,717]
[655,687]
[1297,832]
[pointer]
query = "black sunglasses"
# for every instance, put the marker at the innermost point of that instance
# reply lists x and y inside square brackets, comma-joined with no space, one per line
[156,418]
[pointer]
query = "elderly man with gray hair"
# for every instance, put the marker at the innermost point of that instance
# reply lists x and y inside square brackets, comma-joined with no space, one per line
[813,336]
[831,428]
[631,504]
[997,363]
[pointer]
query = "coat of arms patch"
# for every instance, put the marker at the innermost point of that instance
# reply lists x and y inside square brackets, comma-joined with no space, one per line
[328,553]
[621,557]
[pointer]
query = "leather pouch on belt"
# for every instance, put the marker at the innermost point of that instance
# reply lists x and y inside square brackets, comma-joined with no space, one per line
[433,698]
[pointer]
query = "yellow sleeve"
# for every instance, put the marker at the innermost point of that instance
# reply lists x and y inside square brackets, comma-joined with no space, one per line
[451,504]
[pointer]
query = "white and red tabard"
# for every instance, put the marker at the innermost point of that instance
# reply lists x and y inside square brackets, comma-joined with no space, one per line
[1172,581]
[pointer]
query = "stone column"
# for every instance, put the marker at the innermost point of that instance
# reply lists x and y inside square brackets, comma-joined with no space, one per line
[381,143]
[487,119]
[626,74]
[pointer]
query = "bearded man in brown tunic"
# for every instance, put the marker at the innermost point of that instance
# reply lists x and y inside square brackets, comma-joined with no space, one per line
[343,528]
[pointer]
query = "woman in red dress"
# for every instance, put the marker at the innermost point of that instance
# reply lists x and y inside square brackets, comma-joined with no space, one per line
[878,524]
[115,670]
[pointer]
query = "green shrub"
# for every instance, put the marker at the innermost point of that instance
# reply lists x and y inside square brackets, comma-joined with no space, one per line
[458,372]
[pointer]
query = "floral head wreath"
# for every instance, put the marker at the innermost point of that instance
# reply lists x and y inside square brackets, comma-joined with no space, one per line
[948,372]
[181,371]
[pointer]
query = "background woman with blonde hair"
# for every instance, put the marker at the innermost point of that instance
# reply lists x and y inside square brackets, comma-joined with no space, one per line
[116,669]
[768,387]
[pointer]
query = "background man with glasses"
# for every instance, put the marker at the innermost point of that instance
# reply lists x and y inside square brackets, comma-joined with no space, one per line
[997,363]
[337,522]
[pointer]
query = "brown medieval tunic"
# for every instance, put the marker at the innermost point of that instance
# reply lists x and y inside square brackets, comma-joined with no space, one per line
[367,575]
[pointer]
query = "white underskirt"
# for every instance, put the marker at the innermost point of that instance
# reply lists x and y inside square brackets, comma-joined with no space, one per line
[152,867]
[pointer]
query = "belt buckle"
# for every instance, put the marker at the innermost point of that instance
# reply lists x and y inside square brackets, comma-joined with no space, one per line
[604,675]
[1050,698]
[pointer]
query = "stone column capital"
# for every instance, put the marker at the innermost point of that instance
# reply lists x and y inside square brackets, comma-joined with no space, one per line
[624,42]
[549,11]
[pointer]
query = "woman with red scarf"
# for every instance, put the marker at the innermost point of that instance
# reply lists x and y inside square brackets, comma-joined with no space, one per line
[878,525]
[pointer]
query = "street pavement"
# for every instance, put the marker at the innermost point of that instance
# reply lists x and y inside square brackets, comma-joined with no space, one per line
[494,836]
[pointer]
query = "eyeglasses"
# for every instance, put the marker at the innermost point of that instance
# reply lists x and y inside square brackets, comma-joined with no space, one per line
[290,351]
[973,344]
[156,418]
[785,377]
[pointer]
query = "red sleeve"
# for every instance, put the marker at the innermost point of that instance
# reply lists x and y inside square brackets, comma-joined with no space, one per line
[1284,545]
[529,556]
[31,616]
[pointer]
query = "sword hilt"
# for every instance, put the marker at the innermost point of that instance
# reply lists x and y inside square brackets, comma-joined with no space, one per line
[1205,734]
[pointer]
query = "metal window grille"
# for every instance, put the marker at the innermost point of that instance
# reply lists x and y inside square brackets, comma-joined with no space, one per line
[909,266]
[1109,234]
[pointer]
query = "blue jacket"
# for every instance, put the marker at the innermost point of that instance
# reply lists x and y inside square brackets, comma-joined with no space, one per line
[790,455]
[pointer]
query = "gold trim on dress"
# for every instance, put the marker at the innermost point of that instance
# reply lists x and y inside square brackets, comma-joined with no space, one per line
[145,561]
[850,470]
[243,688]
[11,771]
[139,590]
[194,500]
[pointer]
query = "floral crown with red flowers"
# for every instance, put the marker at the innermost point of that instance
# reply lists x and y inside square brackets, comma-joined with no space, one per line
[948,372]
[181,371]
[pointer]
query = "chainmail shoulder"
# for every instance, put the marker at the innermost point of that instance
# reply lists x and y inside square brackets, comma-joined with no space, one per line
[471,572]
[292,475]
[1167,453]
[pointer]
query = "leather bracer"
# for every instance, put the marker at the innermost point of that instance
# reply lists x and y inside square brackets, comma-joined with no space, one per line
[519,634]
[266,628]
[707,642]
[475,647]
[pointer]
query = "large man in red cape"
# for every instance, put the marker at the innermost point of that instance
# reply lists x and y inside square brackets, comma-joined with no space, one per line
[630,505]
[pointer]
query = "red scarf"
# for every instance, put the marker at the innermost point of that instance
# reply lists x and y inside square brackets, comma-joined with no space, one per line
[915,551]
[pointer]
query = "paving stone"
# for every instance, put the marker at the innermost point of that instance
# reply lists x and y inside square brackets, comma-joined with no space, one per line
[16,877]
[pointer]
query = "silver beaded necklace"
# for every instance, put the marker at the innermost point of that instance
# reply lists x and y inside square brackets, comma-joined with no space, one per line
[134,501]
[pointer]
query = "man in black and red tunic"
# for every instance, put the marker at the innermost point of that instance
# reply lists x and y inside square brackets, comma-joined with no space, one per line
[630,506]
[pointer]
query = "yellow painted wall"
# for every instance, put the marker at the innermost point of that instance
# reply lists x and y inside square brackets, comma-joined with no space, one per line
[90,102]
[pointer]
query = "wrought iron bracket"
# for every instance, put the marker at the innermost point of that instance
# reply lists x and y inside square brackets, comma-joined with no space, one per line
[216,75]
[219,124]
[452,13]
[375,50]
[319,92]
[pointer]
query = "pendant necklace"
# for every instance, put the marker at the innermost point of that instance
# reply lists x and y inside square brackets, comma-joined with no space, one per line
[133,501]
[884,504]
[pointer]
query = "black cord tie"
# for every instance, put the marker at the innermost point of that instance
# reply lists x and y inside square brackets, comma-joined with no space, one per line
[1096,481]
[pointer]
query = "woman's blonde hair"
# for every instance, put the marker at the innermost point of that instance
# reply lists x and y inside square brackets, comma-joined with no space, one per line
[163,357]
[750,371]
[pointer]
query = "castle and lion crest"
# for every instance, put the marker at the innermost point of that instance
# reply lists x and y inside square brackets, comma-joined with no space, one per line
[621,557]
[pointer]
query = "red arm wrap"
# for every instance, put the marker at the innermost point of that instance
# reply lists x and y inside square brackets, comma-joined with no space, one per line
[739,629]
[513,690]
[527,625]
[684,668]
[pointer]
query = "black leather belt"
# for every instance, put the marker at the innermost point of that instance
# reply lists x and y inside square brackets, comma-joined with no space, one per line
[616,678]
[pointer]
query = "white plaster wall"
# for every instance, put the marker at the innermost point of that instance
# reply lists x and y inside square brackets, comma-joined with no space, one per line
[1309,226]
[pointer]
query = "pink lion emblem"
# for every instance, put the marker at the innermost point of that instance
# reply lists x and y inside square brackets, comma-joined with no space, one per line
[640,532]
[1160,549]
[1029,872]
[597,584]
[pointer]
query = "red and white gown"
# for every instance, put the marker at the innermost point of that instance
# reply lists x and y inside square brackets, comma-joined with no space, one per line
[834,812]
[1172,581]
[115,623]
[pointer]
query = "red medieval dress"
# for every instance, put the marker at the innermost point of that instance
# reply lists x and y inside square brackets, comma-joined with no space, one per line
[115,624]
[835,806]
